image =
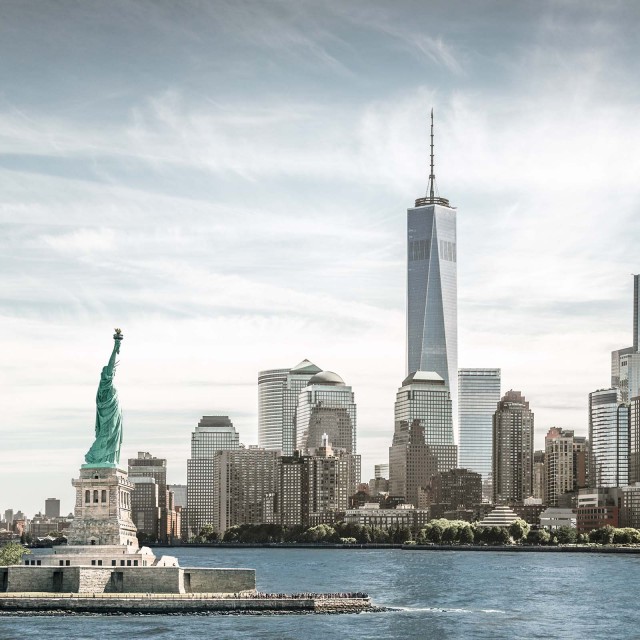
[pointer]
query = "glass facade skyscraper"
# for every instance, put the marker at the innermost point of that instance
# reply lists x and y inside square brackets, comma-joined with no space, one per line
[278,391]
[432,289]
[425,397]
[608,438]
[213,434]
[478,397]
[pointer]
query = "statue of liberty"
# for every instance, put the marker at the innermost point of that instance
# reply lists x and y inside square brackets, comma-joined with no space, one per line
[105,451]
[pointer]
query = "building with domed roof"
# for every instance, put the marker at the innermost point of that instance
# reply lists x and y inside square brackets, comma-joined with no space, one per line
[278,391]
[326,406]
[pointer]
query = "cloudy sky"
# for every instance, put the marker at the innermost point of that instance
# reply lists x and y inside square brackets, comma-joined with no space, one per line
[228,182]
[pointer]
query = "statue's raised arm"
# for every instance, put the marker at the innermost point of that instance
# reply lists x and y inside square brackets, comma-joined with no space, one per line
[105,451]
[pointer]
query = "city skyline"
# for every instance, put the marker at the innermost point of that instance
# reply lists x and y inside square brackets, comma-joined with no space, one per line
[236,225]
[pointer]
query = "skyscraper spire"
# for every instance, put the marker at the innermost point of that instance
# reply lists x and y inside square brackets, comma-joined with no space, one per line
[432,175]
[432,197]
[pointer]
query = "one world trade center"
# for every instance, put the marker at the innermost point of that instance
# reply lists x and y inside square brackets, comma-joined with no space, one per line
[432,296]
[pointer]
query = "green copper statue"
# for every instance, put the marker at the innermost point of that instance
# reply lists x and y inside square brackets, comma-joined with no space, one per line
[105,451]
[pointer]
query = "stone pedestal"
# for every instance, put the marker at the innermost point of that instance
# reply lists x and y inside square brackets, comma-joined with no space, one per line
[102,514]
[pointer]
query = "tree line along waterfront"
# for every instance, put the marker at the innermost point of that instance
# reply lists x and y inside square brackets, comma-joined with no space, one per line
[439,531]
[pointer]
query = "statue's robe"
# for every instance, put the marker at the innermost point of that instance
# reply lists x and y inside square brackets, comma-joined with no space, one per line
[106,448]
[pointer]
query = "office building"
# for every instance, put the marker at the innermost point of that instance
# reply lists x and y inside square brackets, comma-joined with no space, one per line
[145,511]
[412,463]
[52,508]
[213,434]
[456,489]
[432,298]
[478,397]
[629,499]
[513,424]
[608,439]
[425,397]
[625,362]
[326,406]
[278,391]
[147,467]
[381,471]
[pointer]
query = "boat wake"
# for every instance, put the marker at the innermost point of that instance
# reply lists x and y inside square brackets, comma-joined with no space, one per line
[445,610]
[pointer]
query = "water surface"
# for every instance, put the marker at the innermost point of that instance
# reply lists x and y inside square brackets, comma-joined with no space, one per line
[440,594]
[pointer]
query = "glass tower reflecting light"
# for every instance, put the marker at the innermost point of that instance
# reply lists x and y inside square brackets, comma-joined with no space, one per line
[478,397]
[432,295]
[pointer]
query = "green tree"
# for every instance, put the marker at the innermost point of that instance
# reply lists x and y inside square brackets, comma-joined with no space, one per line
[11,553]
[566,535]
[320,533]
[434,532]
[466,535]
[604,535]
[450,534]
[209,533]
[538,536]
[519,529]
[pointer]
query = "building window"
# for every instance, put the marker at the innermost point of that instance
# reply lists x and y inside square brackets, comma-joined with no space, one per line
[122,563]
[38,562]
[68,563]
[113,563]
[104,495]
[128,563]
[93,562]
[99,563]
[95,495]
[87,496]
[61,563]
[135,563]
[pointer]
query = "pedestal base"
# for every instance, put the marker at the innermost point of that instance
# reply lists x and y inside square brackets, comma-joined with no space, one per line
[102,513]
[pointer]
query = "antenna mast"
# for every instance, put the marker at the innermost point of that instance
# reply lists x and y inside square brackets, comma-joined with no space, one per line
[432,176]
[431,196]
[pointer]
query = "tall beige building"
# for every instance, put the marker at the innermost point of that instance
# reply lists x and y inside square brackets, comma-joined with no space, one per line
[559,462]
[244,487]
[512,449]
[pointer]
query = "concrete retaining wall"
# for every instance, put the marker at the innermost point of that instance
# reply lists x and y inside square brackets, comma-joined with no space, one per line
[220,580]
[181,604]
[48,579]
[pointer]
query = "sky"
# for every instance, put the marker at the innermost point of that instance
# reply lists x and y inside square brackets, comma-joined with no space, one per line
[228,183]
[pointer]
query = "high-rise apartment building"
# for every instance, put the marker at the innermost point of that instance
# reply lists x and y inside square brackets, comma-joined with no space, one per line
[634,440]
[608,439]
[432,297]
[52,508]
[244,487]
[512,449]
[213,434]
[425,397]
[412,463]
[559,461]
[318,483]
[539,491]
[278,391]
[326,406]
[478,397]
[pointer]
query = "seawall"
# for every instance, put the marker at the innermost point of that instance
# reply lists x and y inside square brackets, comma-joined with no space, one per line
[127,604]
